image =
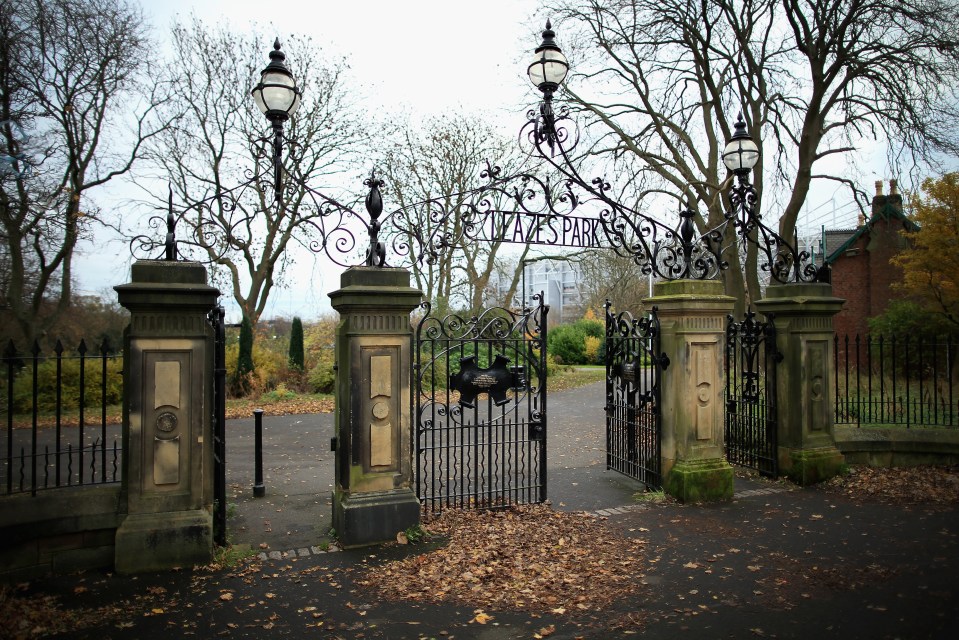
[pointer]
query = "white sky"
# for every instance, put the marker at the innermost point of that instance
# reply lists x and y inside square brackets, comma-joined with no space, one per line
[421,56]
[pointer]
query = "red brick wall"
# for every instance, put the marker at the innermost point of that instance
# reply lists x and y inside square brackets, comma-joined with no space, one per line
[851,275]
[863,275]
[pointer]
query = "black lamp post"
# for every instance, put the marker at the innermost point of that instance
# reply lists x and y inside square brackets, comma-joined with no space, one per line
[547,71]
[740,156]
[278,97]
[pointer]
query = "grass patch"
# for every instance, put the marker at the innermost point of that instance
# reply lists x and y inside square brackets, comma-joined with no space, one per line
[575,377]
[650,497]
[231,556]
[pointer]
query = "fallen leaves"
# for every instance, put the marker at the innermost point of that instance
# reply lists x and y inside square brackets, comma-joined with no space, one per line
[243,407]
[480,617]
[32,616]
[530,558]
[911,485]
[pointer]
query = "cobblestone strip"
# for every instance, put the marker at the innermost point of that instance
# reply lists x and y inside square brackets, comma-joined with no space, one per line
[642,506]
[295,553]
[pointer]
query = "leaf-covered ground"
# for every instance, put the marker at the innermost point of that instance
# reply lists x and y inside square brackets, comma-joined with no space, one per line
[530,558]
[902,485]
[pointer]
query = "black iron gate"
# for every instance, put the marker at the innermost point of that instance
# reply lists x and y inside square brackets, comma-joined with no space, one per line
[634,362]
[217,321]
[479,396]
[751,359]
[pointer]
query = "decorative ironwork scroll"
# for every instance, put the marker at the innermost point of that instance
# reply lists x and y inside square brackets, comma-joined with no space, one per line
[553,206]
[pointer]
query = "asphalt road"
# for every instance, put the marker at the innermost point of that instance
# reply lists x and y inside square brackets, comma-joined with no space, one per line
[298,470]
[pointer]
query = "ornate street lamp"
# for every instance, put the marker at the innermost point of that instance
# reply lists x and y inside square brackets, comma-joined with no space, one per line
[547,71]
[278,98]
[741,153]
[740,156]
[784,261]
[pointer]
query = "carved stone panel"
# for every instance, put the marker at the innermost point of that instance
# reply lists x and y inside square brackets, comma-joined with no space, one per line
[166,461]
[166,411]
[816,408]
[380,407]
[704,358]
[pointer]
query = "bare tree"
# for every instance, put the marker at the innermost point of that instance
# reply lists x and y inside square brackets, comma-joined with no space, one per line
[432,173]
[659,82]
[74,79]
[606,276]
[219,143]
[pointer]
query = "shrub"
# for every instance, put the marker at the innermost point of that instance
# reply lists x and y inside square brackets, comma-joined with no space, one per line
[322,377]
[592,345]
[568,343]
[270,370]
[70,385]
[903,317]
[319,338]
[278,394]
[296,345]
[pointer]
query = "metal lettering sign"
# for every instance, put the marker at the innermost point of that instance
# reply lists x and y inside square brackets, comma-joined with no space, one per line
[536,229]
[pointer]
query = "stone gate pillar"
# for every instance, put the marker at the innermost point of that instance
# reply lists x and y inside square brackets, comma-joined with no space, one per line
[692,316]
[803,316]
[373,495]
[167,407]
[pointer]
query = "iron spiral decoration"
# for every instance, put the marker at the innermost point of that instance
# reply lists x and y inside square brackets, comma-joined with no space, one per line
[554,205]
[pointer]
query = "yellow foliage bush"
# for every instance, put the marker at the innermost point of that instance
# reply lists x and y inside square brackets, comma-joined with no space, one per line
[591,346]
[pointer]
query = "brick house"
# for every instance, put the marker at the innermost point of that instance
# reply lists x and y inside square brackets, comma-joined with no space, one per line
[861,271]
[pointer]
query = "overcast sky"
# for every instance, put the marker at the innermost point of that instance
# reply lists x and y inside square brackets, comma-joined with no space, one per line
[419,56]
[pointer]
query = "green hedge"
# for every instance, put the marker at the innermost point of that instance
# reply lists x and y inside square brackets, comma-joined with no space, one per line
[70,385]
[567,343]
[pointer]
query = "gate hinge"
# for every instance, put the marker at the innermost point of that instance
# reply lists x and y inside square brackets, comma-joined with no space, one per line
[333,443]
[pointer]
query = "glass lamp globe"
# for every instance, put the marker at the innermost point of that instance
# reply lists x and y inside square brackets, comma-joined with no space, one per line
[549,66]
[277,95]
[741,153]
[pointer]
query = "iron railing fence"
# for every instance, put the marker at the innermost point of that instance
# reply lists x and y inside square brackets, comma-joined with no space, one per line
[885,380]
[54,410]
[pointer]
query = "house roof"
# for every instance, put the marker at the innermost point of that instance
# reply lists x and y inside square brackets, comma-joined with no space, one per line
[888,213]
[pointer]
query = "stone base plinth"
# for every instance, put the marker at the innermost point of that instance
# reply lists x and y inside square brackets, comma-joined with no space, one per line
[373,518]
[809,466]
[159,541]
[700,480]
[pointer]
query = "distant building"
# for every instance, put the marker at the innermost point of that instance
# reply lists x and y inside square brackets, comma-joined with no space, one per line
[861,271]
[559,282]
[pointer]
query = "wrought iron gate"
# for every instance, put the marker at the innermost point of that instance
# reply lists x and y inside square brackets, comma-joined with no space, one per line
[751,359]
[634,362]
[479,395]
[218,422]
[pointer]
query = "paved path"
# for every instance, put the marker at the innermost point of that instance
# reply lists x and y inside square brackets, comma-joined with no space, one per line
[298,471]
[777,561]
